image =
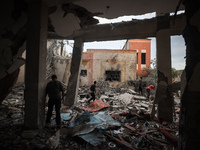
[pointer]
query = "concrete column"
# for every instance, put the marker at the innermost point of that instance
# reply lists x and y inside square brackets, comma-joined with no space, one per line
[35,64]
[164,97]
[189,124]
[73,84]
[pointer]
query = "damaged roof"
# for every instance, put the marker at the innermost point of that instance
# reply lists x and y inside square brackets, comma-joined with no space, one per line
[71,16]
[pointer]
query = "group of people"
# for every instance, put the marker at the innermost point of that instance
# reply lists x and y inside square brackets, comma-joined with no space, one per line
[148,89]
[55,92]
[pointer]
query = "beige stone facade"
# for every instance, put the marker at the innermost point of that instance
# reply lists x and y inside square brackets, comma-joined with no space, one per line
[116,66]
[97,65]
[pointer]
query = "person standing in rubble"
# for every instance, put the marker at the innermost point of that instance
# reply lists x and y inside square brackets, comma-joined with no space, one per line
[54,89]
[149,88]
[93,91]
[140,86]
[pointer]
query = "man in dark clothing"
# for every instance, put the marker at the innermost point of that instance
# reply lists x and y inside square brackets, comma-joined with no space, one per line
[93,91]
[54,89]
[140,86]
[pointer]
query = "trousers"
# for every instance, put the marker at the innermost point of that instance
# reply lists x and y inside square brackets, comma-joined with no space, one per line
[51,103]
[93,97]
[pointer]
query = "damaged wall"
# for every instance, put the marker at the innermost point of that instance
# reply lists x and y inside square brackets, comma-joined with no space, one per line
[86,76]
[55,64]
[116,65]
[67,71]
[143,47]
[59,66]
[189,129]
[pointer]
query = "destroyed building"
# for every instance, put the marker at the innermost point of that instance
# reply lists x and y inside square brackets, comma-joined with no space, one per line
[56,63]
[116,66]
[27,24]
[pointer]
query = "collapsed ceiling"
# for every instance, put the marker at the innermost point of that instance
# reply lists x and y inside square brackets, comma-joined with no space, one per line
[72,15]
[66,18]
[115,8]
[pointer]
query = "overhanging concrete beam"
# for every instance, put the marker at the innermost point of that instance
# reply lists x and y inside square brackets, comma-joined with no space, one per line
[124,30]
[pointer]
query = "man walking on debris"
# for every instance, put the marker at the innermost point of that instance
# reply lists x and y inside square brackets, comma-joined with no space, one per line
[149,88]
[54,89]
[93,91]
[140,86]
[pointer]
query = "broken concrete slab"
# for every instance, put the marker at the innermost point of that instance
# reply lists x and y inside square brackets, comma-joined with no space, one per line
[53,141]
[16,64]
[126,98]
[145,105]
[104,97]
[131,91]
[137,97]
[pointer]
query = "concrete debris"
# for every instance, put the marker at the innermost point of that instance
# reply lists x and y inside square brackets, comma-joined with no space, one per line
[131,91]
[53,141]
[104,97]
[125,124]
[126,98]
[137,97]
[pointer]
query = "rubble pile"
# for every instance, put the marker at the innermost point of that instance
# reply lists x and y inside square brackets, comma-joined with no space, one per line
[118,119]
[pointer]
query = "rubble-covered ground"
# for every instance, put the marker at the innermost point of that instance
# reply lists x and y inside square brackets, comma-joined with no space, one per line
[125,124]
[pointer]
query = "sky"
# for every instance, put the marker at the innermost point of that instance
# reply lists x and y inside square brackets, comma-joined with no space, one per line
[178,49]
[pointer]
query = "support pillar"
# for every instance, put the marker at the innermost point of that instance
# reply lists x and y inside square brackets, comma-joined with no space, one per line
[164,97]
[73,84]
[35,64]
[189,124]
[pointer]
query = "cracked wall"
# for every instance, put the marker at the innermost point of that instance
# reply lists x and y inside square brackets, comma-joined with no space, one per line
[109,60]
[189,129]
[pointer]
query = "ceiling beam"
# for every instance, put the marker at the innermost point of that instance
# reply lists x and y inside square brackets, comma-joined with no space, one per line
[125,30]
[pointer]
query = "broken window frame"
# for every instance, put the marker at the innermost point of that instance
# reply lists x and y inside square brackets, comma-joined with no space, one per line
[83,73]
[113,76]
